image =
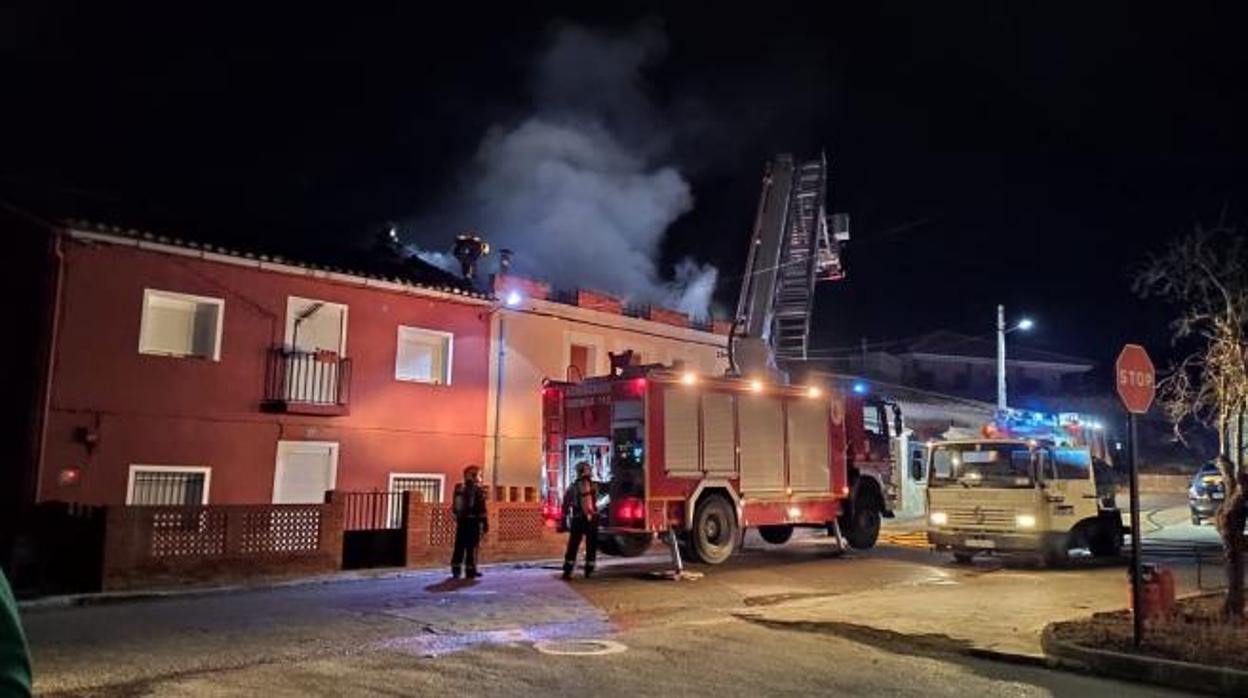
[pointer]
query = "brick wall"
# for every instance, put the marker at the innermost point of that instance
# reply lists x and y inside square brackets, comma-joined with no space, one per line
[599,301]
[518,531]
[165,546]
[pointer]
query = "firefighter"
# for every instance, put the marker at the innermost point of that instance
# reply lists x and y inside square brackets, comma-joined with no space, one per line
[580,507]
[470,523]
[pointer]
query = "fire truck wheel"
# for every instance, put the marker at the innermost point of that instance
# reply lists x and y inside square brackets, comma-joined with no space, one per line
[714,535]
[776,535]
[862,526]
[963,557]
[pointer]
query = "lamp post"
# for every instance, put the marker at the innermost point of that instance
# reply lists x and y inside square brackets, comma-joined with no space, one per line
[1024,324]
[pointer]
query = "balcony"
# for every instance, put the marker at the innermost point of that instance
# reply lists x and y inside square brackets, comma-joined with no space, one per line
[306,382]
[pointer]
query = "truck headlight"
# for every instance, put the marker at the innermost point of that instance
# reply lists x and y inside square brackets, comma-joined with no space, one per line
[939,518]
[1025,521]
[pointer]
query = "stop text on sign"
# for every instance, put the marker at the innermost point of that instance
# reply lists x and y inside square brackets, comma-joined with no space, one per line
[1135,379]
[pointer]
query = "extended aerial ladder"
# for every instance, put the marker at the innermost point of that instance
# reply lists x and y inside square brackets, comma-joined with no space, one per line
[793,247]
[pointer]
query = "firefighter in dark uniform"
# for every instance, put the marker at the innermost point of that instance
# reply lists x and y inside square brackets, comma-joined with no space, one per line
[470,523]
[580,509]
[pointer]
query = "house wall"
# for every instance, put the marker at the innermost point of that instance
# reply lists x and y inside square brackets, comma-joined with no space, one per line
[537,345]
[159,410]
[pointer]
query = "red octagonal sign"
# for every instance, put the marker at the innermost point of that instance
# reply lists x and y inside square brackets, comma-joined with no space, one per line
[1135,378]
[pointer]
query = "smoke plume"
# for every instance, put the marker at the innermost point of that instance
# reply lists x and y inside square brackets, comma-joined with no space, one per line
[580,189]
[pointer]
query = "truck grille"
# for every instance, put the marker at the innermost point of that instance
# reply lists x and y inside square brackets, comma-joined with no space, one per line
[981,517]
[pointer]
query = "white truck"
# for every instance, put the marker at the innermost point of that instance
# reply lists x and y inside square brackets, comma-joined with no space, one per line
[1050,495]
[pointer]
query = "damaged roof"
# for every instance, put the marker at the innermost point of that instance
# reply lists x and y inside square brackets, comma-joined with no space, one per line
[373,263]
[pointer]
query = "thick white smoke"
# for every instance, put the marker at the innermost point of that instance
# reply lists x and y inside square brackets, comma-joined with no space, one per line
[579,189]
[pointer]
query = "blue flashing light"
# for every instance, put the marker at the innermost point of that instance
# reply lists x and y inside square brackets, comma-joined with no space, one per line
[860,388]
[513,299]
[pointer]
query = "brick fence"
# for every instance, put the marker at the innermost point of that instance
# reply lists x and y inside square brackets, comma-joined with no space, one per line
[518,531]
[162,546]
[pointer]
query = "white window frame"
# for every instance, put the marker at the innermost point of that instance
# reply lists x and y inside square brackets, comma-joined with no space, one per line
[448,360]
[390,500]
[145,468]
[288,445]
[290,320]
[216,346]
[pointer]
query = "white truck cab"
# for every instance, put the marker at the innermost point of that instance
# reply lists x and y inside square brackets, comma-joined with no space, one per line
[1017,495]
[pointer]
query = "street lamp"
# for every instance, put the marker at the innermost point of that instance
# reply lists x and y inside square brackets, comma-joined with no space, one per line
[1023,324]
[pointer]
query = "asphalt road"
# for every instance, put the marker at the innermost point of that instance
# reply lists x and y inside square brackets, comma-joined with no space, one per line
[774,621]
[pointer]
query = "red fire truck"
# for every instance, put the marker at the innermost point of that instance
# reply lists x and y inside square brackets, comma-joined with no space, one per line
[708,457]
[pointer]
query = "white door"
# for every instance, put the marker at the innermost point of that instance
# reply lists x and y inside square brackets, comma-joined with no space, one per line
[305,471]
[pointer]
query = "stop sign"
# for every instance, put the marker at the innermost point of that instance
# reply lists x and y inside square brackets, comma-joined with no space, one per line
[1135,378]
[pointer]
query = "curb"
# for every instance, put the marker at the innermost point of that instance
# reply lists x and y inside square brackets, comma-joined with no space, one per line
[107,598]
[1139,668]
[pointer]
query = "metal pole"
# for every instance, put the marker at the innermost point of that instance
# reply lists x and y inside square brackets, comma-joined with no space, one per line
[1001,358]
[1137,615]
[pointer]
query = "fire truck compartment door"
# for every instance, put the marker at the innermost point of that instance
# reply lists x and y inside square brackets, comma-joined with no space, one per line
[808,446]
[762,444]
[719,434]
[680,430]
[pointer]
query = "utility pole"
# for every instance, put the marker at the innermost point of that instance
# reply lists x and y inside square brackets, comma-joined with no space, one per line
[1001,404]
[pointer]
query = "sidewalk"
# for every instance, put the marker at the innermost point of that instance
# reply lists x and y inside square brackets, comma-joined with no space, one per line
[110,597]
[986,608]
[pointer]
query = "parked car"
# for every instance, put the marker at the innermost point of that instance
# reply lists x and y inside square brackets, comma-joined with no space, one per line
[1206,493]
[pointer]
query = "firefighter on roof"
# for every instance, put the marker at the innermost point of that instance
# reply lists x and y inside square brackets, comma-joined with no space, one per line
[470,522]
[580,506]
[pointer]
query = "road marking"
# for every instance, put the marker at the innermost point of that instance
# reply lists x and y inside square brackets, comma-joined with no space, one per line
[909,539]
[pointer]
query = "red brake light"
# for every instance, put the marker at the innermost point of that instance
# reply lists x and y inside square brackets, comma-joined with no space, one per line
[630,510]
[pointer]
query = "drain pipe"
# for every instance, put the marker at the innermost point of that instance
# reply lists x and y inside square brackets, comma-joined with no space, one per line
[58,253]
[498,398]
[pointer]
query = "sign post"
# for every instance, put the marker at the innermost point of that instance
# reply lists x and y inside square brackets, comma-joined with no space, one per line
[1136,381]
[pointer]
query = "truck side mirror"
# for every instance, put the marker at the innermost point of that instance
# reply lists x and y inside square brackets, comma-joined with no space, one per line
[898,429]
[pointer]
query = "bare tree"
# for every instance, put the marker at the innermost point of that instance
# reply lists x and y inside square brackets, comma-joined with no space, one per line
[1206,275]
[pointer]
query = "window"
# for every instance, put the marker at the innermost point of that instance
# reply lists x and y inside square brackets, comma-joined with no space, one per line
[167,485]
[429,486]
[580,362]
[315,325]
[177,324]
[1072,463]
[871,421]
[424,356]
[305,471]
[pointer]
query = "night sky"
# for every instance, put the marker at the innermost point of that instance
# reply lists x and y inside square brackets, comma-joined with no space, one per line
[998,152]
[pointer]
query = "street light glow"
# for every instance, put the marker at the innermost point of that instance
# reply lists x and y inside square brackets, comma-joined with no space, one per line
[1025,324]
[756,386]
[689,378]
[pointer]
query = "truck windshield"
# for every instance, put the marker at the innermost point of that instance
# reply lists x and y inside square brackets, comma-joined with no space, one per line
[981,465]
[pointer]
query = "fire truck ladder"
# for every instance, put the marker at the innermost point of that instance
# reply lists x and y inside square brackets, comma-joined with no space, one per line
[807,257]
